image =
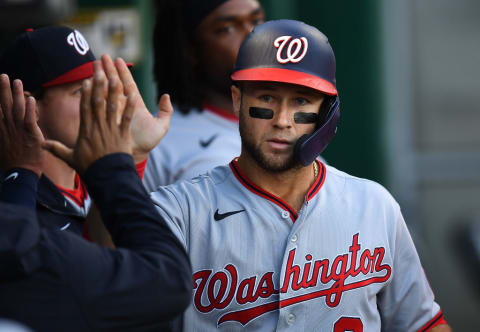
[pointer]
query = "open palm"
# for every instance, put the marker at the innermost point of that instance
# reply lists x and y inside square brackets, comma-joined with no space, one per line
[146,130]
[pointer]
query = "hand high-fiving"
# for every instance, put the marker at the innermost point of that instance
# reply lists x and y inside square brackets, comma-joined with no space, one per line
[20,136]
[146,130]
[101,133]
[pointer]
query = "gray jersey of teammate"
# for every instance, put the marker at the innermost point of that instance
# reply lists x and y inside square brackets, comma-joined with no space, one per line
[195,143]
[346,262]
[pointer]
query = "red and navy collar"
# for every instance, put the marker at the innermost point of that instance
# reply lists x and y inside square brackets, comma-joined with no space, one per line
[220,112]
[247,183]
[77,195]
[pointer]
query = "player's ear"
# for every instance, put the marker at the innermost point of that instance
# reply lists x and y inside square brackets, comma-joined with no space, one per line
[236,98]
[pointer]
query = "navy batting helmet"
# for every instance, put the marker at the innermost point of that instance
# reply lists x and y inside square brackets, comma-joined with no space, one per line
[293,52]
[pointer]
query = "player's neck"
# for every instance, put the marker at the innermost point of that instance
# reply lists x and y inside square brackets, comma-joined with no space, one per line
[219,100]
[59,172]
[291,186]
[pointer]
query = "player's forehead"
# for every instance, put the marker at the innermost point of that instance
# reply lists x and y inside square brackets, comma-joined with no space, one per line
[62,89]
[232,10]
[255,87]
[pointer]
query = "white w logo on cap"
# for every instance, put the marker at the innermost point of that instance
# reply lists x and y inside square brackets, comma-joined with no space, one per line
[292,53]
[76,40]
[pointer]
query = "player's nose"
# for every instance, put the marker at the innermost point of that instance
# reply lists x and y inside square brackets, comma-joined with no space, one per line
[283,118]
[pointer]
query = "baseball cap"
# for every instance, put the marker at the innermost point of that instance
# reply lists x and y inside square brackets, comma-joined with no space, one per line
[47,57]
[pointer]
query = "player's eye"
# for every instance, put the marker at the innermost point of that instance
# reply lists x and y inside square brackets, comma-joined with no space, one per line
[224,29]
[300,101]
[258,20]
[266,98]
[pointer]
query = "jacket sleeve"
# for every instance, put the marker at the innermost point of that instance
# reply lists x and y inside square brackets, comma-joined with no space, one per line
[19,237]
[148,277]
[146,281]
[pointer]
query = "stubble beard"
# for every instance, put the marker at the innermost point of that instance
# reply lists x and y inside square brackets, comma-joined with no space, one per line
[262,160]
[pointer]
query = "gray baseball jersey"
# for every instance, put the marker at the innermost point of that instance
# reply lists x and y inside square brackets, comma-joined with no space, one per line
[344,262]
[194,144]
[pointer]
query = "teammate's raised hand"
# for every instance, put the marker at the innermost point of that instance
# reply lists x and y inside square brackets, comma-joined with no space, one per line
[100,132]
[146,129]
[20,136]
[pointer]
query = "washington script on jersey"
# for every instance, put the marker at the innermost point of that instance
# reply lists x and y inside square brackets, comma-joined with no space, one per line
[217,291]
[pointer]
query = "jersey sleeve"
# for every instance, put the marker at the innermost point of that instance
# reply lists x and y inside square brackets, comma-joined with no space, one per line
[157,172]
[170,208]
[407,303]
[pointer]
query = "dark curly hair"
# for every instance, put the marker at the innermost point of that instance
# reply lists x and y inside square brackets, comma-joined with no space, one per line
[174,70]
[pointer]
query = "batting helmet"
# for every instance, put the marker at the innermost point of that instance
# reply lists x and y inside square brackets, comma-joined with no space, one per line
[293,52]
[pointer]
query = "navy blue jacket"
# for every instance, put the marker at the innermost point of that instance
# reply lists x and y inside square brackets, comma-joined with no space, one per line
[56,281]
[54,211]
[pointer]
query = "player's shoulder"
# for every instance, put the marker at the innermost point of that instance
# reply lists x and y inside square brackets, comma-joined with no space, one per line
[351,186]
[201,186]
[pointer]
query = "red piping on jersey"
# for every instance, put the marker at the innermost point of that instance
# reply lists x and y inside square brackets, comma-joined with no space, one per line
[439,319]
[78,194]
[220,112]
[278,201]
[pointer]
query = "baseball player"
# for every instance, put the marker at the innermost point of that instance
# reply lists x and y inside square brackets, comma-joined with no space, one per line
[57,281]
[50,64]
[278,241]
[203,39]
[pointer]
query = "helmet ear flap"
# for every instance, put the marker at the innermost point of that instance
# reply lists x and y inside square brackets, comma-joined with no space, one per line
[308,147]
[325,109]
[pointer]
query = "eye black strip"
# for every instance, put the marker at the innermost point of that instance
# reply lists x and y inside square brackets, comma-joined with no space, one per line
[261,113]
[304,117]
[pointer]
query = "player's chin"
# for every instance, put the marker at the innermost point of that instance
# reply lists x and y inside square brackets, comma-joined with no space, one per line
[279,162]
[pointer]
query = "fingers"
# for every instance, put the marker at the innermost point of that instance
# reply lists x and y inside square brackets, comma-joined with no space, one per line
[99,89]
[126,77]
[128,115]
[59,150]
[115,90]
[109,67]
[31,119]
[165,107]
[115,95]
[6,98]
[18,108]
[86,109]
[3,130]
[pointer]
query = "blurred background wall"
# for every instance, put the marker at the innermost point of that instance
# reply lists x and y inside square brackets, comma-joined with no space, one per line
[408,76]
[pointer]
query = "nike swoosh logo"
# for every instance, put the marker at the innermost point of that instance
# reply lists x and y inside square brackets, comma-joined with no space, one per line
[14,175]
[219,216]
[65,227]
[206,143]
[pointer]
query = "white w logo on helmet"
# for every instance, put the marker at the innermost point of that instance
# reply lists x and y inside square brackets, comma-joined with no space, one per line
[293,49]
[78,41]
